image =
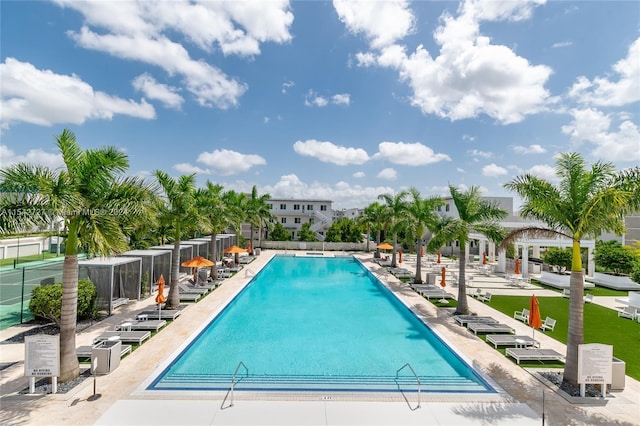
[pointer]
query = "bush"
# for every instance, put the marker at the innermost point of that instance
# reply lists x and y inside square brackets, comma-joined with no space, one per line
[558,257]
[635,272]
[46,301]
[614,257]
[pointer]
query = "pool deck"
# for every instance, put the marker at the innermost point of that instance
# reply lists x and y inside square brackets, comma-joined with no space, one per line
[123,402]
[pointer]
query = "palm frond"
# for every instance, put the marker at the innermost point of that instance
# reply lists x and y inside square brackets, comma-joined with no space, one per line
[530,232]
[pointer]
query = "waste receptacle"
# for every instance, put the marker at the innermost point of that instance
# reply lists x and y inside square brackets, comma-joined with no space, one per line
[431,278]
[256,252]
[107,354]
[618,373]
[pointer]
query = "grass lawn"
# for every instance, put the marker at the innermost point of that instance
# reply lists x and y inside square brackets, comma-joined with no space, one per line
[601,325]
[596,291]
[25,259]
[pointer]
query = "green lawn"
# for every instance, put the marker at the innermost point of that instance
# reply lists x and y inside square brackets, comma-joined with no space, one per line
[25,259]
[601,325]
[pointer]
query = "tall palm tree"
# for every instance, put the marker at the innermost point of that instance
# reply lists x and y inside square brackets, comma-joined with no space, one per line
[584,203]
[421,214]
[395,209]
[214,217]
[257,212]
[91,195]
[474,214]
[180,211]
[235,203]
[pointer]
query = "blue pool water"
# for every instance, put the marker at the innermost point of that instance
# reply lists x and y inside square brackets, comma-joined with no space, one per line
[312,323]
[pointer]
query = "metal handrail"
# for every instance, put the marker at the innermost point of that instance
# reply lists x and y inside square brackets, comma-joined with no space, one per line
[415,375]
[233,379]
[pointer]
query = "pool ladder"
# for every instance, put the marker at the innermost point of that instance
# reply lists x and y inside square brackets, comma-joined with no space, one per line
[233,382]
[407,365]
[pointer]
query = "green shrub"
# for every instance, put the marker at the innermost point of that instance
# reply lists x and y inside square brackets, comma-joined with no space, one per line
[614,257]
[635,273]
[558,257]
[46,301]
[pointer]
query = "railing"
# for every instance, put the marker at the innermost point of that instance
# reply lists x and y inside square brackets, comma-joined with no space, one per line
[233,382]
[417,379]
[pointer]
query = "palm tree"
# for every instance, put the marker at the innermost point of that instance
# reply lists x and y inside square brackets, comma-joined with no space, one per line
[474,214]
[584,203]
[421,214]
[180,211]
[395,209]
[257,212]
[91,196]
[235,203]
[214,217]
[375,213]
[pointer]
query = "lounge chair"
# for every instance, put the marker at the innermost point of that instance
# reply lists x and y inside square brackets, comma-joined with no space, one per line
[466,319]
[533,354]
[566,293]
[436,294]
[588,298]
[119,302]
[548,324]
[477,294]
[483,327]
[125,336]
[485,297]
[163,314]
[85,351]
[144,324]
[522,315]
[186,288]
[511,340]
[190,297]
[628,312]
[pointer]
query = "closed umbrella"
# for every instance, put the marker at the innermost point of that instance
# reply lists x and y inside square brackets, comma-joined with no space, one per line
[400,256]
[443,284]
[195,263]
[484,258]
[160,299]
[535,319]
[517,270]
[249,247]
[438,257]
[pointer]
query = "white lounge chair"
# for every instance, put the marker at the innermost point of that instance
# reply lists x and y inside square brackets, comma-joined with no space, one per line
[566,293]
[548,324]
[628,312]
[588,298]
[125,336]
[522,315]
[466,319]
[142,324]
[485,297]
[533,354]
[478,293]
[482,327]
[511,340]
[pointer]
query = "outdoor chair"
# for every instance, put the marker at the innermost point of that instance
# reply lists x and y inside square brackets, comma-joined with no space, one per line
[566,292]
[628,312]
[548,324]
[588,298]
[485,297]
[522,315]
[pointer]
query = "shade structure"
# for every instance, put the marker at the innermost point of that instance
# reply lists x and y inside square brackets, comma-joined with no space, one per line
[385,246]
[484,258]
[517,269]
[438,261]
[535,319]
[195,263]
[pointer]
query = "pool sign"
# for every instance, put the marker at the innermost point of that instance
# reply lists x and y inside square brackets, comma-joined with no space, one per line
[595,363]
[42,356]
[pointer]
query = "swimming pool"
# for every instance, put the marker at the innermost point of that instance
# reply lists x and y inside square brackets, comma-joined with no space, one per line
[318,323]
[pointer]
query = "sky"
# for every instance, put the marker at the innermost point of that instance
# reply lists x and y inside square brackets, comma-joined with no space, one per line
[342,100]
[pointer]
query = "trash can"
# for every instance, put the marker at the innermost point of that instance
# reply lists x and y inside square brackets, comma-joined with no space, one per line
[107,354]
[618,368]
[256,252]
[431,278]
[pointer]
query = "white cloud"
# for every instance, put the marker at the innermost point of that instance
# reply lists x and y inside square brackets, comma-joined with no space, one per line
[33,156]
[468,138]
[266,120]
[358,175]
[543,171]
[153,90]
[365,59]
[562,44]
[318,101]
[286,85]
[387,174]
[382,23]
[312,99]
[593,126]
[341,99]
[331,153]
[531,149]
[343,194]
[470,76]
[226,162]
[604,92]
[493,170]
[409,154]
[33,96]
[188,169]
[477,153]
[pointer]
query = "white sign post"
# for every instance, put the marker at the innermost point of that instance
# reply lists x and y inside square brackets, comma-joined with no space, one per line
[42,359]
[595,365]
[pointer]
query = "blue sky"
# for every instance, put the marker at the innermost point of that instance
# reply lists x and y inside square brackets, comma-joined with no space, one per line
[332,100]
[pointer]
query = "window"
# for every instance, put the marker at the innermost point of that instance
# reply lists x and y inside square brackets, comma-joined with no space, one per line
[439,208]
[323,208]
[270,206]
[283,206]
[311,220]
[309,206]
[283,220]
[296,206]
[446,208]
[297,220]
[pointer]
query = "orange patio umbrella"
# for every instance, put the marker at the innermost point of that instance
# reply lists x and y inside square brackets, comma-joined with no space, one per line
[535,319]
[384,246]
[517,270]
[160,299]
[438,257]
[249,247]
[484,258]
[400,256]
[443,284]
[235,250]
[195,263]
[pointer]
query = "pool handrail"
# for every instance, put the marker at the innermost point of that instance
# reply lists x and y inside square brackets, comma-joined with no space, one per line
[417,379]
[233,379]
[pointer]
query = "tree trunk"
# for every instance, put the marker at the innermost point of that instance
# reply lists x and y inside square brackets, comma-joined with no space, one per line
[418,278]
[173,301]
[69,368]
[575,334]
[376,254]
[463,306]
[393,256]
[214,256]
